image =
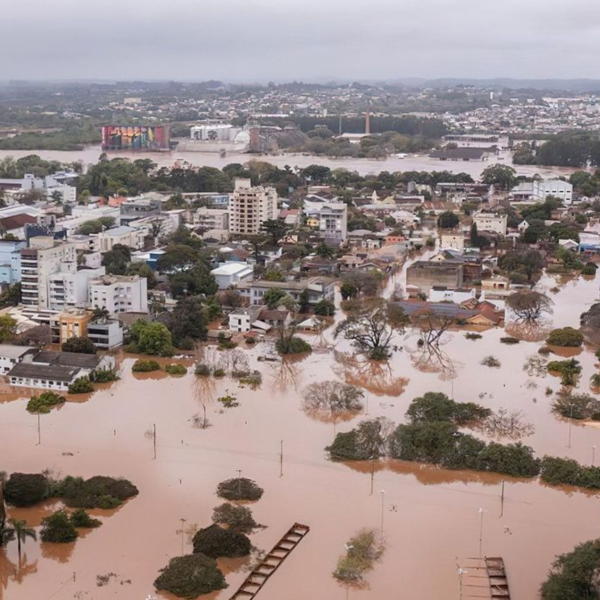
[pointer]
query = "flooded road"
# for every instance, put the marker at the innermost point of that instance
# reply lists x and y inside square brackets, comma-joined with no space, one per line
[430,516]
[362,166]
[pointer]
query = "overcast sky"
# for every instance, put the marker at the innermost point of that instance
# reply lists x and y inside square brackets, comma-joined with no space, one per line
[258,40]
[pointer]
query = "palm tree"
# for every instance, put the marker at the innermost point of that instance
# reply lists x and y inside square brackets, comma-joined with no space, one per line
[18,529]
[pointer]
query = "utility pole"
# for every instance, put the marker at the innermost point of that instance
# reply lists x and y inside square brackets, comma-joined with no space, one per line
[154,438]
[182,533]
[502,499]
[481,511]
[281,459]
[239,472]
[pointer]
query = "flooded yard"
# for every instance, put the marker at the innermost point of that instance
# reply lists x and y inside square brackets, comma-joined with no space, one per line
[430,517]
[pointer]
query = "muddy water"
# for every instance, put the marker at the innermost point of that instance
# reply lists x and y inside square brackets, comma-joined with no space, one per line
[430,517]
[363,166]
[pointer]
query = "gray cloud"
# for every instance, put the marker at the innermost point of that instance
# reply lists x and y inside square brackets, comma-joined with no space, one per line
[236,40]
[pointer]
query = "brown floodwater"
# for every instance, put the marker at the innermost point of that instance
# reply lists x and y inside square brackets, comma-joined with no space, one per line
[416,162]
[430,516]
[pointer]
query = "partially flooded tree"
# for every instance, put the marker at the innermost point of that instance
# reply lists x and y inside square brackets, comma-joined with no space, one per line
[368,441]
[363,550]
[590,324]
[332,400]
[371,327]
[529,306]
[432,326]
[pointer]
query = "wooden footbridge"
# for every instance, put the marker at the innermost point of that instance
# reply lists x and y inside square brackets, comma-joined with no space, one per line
[272,561]
[484,578]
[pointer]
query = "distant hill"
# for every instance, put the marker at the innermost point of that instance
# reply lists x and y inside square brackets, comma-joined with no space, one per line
[570,85]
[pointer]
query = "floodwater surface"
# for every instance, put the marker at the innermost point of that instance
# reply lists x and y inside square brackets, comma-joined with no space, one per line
[430,517]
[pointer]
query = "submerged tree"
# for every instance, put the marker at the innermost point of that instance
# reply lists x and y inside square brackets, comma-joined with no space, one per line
[332,400]
[17,529]
[574,575]
[371,327]
[529,306]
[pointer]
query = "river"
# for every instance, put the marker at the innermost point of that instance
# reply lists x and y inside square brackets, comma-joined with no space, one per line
[430,516]
[363,166]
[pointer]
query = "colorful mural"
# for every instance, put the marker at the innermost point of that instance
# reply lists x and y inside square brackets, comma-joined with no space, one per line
[135,138]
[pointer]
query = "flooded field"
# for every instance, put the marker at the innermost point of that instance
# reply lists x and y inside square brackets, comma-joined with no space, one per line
[361,165]
[430,517]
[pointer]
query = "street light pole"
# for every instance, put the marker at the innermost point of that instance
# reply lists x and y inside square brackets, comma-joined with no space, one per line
[460,572]
[481,511]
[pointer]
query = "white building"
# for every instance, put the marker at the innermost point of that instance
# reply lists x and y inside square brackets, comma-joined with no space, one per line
[250,207]
[455,241]
[69,287]
[119,294]
[491,222]
[124,235]
[211,218]
[230,274]
[38,263]
[11,355]
[538,191]
[333,222]
[442,294]
[106,335]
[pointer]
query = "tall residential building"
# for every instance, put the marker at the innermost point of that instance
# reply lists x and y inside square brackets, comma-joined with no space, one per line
[69,287]
[38,263]
[10,260]
[333,222]
[119,294]
[250,207]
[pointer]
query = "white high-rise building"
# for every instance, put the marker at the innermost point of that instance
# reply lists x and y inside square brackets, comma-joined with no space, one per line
[69,287]
[38,263]
[333,222]
[250,207]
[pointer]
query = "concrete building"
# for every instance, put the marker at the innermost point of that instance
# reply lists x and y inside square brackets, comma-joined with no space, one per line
[539,190]
[127,236]
[38,263]
[333,222]
[318,288]
[139,208]
[491,222]
[250,207]
[211,218]
[452,240]
[11,355]
[10,261]
[230,274]
[55,370]
[106,335]
[69,287]
[427,274]
[119,294]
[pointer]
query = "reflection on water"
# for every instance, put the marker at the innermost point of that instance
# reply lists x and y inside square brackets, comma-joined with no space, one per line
[58,552]
[374,376]
[15,571]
